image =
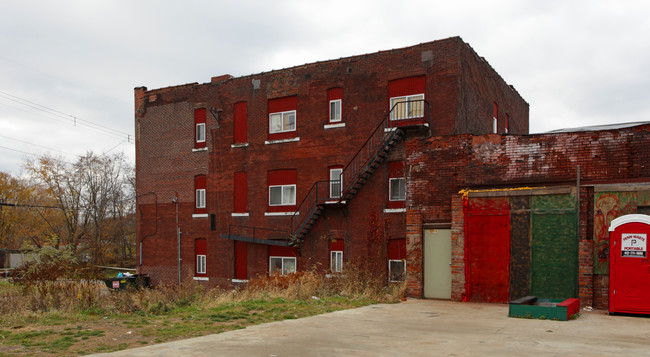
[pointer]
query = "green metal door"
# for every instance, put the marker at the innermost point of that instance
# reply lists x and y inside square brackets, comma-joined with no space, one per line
[554,248]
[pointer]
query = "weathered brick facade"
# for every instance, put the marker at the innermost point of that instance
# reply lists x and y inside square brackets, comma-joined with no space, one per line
[440,166]
[461,90]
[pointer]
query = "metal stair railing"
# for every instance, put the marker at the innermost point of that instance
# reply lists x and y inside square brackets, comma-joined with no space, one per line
[401,114]
[415,112]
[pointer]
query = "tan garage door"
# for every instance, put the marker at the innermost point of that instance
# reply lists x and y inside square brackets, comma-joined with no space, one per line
[437,263]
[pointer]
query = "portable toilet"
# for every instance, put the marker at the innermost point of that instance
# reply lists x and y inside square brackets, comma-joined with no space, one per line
[629,264]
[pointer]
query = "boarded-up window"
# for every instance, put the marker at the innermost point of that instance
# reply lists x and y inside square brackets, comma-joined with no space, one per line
[240,123]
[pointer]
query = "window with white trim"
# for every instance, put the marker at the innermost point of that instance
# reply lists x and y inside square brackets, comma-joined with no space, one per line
[407,107]
[336,261]
[396,270]
[335,111]
[282,122]
[336,182]
[200,264]
[282,265]
[200,132]
[200,198]
[282,195]
[397,189]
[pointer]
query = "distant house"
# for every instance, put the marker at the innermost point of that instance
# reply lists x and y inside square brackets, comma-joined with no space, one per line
[14,258]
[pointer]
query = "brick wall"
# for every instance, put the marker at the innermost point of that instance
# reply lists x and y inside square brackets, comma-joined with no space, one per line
[438,167]
[166,162]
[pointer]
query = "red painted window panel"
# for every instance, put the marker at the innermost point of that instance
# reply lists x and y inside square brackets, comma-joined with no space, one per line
[279,251]
[336,245]
[241,192]
[407,86]
[240,123]
[283,104]
[241,260]
[334,94]
[283,177]
[397,249]
[200,118]
[395,170]
[200,183]
[495,111]
[488,249]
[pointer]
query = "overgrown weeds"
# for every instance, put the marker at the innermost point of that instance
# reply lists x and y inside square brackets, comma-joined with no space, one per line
[38,317]
[35,293]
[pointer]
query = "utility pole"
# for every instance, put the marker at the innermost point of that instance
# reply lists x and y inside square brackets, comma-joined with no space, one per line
[178,240]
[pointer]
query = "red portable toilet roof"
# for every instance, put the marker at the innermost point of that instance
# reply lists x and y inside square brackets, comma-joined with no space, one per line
[642,218]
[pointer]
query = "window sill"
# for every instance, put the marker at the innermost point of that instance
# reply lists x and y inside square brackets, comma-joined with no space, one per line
[281,141]
[335,125]
[272,214]
[200,149]
[239,280]
[239,214]
[239,145]
[200,215]
[394,210]
[333,202]
[201,278]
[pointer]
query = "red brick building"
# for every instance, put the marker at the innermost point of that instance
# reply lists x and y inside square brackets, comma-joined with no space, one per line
[362,159]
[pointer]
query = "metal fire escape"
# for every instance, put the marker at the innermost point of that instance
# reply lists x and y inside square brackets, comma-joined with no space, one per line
[354,175]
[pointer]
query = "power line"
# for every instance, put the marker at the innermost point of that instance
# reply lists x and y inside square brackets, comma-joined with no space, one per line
[20,151]
[41,146]
[68,117]
[63,121]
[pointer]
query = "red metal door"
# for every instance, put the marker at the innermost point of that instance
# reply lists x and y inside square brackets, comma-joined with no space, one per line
[629,265]
[241,260]
[488,249]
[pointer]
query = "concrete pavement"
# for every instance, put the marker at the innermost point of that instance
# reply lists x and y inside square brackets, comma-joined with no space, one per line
[421,328]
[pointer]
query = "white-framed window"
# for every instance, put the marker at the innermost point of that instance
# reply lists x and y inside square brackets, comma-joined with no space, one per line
[335,111]
[282,122]
[282,195]
[396,270]
[200,198]
[397,189]
[200,132]
[200,264]
[336,182]
[282,265]
[336,261]
[407,107]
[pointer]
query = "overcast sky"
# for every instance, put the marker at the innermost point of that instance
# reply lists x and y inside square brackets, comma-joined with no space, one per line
[63,62]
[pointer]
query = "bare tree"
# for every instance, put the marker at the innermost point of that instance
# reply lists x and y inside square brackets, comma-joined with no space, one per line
[96,200]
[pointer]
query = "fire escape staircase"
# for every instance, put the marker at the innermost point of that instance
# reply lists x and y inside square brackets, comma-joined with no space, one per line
[355,174]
